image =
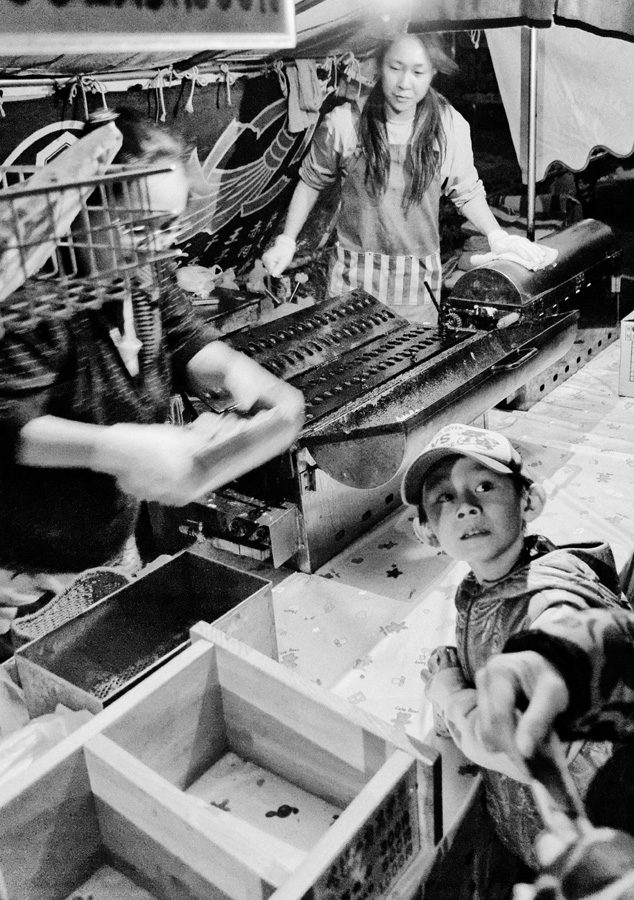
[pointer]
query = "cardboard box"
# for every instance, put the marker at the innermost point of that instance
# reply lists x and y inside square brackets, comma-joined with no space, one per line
[93,658]
[626,368]
[223,776]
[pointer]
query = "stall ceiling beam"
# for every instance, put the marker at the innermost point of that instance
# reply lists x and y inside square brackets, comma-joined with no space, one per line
[448,15]
[613,17]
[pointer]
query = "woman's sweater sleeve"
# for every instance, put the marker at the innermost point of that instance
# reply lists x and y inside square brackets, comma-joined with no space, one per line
[459,177]
[334,139]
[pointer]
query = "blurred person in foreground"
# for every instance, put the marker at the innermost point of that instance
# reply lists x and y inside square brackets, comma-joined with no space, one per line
[575,680]
[84,404]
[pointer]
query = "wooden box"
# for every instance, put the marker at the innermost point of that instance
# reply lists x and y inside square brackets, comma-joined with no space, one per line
[53,845]
[93,658]
[242,780]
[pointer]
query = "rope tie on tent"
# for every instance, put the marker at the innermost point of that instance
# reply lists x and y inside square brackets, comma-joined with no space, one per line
[278,68]
[331,65]
[195,78]
[229,79]
[177,410]
[87,85]
[158,83]
[475,36]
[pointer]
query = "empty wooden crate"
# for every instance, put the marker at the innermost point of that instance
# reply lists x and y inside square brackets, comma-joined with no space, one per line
[245,780]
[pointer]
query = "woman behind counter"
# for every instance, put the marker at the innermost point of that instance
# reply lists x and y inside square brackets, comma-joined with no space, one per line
[406,148]
[82,433]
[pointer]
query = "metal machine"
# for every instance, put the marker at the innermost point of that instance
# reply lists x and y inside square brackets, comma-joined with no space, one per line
[377,387]
[585,276]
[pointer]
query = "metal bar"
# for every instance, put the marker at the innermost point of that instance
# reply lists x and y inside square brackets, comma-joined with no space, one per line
[113,175]
[532,129]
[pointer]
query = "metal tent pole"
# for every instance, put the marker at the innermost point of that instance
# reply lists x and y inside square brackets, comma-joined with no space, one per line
[532,133]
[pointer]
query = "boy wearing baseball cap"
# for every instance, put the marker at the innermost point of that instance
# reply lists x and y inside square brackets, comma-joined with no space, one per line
[473,500]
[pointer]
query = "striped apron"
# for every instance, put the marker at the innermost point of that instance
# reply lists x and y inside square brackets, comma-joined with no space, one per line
[392,254]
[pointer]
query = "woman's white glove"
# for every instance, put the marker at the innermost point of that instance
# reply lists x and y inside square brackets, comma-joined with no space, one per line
[520,249]
[279,257]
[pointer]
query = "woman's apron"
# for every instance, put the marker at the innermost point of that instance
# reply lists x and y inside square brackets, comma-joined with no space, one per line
[391,254]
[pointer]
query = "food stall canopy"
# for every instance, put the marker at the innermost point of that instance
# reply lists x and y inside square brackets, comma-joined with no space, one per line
[234,105]
[615,17]
[326,28]
[605,16]
[582,100]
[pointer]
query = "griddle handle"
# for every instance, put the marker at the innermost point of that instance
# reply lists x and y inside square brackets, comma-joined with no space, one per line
[517,362]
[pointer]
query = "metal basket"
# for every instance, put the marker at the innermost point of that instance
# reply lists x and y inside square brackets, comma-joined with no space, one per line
[114,236]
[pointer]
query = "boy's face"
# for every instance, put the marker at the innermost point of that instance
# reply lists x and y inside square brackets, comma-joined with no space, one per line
[477,515]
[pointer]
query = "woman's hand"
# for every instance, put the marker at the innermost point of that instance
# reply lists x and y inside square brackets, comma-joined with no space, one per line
[279,257]
[526,252]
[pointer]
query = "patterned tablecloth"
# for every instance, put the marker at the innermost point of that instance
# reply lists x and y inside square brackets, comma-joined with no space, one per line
[366,623]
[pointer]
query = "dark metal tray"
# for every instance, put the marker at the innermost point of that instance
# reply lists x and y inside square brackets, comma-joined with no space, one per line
[96,656]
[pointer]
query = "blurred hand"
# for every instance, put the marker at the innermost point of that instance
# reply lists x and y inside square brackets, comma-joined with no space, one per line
[503,686]
[232,379]
[279,257]
[546,887]
[250,385]
[21,589]
[176,465]
[150,462]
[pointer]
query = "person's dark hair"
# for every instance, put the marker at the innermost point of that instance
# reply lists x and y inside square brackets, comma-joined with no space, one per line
[428,129]
[144,142]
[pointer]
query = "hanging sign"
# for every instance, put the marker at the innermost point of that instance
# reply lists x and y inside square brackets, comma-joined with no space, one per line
[113,26]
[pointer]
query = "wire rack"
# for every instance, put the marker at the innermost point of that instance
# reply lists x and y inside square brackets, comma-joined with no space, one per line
[71,246]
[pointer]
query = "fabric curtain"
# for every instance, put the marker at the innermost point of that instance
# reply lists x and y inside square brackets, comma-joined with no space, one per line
[583,93]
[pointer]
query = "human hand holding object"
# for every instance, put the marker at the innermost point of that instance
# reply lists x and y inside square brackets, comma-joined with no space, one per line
[176,465]
[279,257]
[508,682]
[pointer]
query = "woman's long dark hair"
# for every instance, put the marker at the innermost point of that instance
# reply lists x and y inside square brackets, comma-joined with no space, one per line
[428,131]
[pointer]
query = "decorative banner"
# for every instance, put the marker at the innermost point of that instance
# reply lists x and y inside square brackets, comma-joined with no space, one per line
[245,184]
[104,26]
[244,159]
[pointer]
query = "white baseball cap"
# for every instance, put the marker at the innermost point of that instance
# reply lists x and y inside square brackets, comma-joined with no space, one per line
[489,448]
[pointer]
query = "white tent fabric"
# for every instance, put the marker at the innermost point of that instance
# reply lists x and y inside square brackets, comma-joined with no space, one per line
[583,94]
